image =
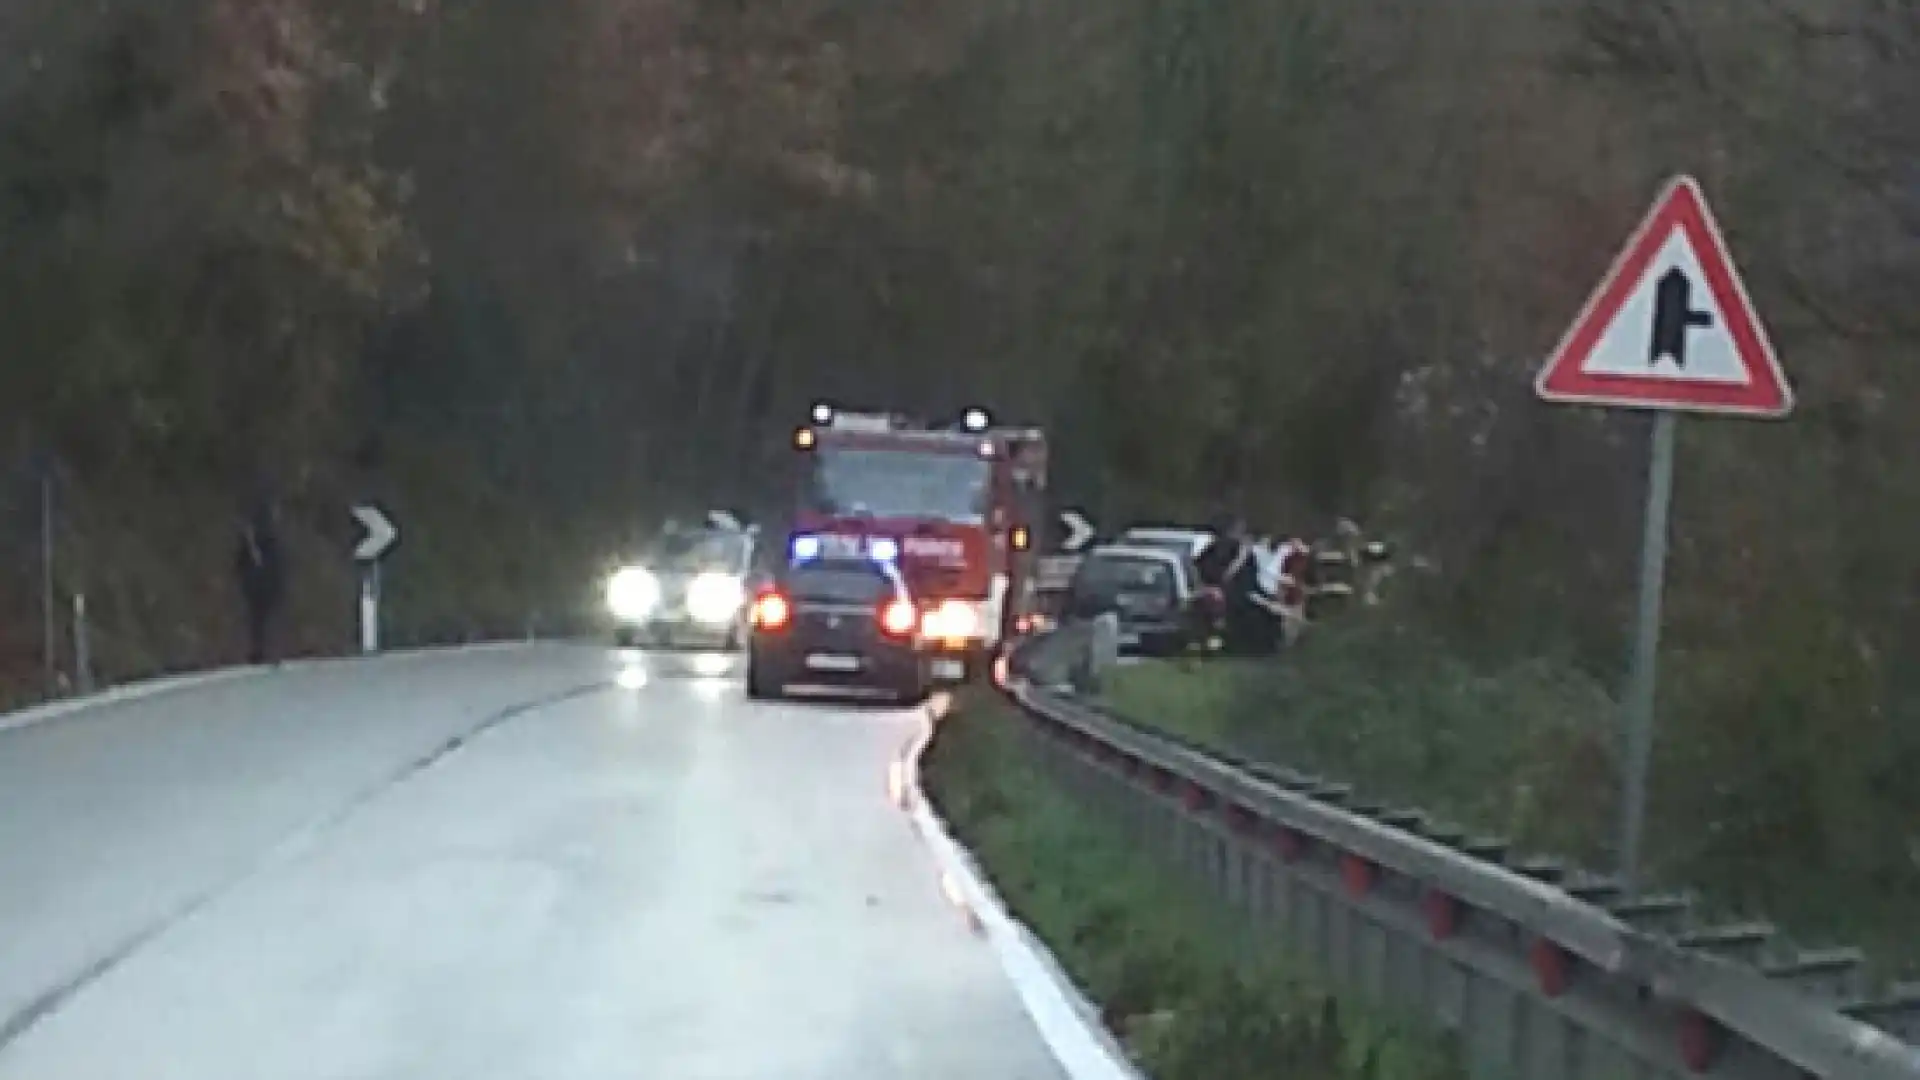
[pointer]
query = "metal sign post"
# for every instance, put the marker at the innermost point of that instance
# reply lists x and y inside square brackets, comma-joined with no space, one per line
[1641,342]
[1643,670]
[370,607]
[48,645]
[381,535]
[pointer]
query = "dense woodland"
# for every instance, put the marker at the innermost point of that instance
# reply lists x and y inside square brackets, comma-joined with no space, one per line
[533,273]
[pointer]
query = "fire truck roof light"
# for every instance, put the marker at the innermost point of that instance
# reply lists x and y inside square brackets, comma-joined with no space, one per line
[868,422]
[976,419]
[822,413]
[884,548]
[806,547]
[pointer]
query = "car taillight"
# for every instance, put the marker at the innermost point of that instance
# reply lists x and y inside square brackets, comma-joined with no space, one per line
[899,617]
[771,611]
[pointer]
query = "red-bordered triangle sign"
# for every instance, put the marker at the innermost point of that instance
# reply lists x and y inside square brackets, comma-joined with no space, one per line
[1671,326]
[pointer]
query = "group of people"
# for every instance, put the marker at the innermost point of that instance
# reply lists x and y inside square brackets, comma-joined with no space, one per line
[1262,581]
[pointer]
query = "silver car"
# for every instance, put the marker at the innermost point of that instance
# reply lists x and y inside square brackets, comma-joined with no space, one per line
[691,591]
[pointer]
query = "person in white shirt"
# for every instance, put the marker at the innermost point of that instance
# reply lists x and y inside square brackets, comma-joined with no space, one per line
[1268,552]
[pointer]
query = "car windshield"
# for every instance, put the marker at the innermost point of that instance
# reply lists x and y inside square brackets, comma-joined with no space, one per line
[696,552]
[862,482]
[1108,576]
[838,583]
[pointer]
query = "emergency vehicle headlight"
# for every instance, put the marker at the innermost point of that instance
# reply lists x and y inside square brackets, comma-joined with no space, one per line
[884,548]
[806,547]
[951,620]
[632,593]
[715,598]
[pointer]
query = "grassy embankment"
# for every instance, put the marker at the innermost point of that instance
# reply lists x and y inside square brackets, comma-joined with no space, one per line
[1744,809]
[1183,995]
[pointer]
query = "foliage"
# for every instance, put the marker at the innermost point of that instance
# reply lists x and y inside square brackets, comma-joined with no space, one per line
[1187,999]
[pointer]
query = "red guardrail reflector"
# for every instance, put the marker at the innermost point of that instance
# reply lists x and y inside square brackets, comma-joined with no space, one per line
[1551,967]
[1357,874]
[1443,914]
[1701,1038]
[1289,843]
[1194,796]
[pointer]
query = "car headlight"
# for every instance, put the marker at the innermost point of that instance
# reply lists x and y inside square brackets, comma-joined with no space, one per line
[632,593]
[715,598]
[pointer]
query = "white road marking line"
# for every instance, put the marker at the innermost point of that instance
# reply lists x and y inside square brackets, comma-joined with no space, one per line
[1067,1021]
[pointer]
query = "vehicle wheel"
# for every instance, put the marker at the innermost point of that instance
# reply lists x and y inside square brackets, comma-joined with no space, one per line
[761,683]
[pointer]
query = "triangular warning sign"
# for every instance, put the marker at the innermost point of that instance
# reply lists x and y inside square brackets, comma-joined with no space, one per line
[1671,326]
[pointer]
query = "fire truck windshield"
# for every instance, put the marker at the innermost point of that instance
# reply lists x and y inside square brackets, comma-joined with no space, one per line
[865,482]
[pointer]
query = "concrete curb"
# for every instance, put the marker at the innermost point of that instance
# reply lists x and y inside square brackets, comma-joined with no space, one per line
[35,715]
[1068,1023]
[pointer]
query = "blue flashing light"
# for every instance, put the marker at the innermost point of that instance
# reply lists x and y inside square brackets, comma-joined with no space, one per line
[806,547]
[884,548]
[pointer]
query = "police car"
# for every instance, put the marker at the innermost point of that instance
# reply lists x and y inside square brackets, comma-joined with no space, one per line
[690,590]
[837,621]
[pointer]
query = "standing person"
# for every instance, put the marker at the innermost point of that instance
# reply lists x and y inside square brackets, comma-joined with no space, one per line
[1253,627]
[1220,557]
[261,568]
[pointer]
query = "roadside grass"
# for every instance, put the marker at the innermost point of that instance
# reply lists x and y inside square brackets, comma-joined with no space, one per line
[1180,990]
[1750,811]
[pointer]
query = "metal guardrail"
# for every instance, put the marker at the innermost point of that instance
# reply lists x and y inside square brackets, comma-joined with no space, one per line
[1543,973]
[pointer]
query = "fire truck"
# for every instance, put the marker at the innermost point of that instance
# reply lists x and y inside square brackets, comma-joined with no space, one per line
[954,506]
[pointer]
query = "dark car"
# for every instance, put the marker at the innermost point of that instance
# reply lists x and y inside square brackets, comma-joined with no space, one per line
[839,623]
[1153,590]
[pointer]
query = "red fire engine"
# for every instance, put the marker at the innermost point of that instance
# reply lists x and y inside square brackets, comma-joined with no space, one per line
[954,507]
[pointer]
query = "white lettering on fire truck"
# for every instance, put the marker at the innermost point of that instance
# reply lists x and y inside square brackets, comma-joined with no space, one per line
[936,548]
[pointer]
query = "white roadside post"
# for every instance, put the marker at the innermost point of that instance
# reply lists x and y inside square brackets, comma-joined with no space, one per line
[1670,329]
[380,536]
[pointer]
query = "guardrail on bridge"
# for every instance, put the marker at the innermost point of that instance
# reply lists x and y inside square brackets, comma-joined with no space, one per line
[1544,973]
